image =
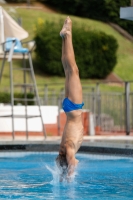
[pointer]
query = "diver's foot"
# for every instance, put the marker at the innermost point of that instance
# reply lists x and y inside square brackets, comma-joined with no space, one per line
[67,27]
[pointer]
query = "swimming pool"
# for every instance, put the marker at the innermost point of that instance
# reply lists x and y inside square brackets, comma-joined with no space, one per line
[30,175]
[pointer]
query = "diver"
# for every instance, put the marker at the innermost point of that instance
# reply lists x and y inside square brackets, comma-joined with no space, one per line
[72,104]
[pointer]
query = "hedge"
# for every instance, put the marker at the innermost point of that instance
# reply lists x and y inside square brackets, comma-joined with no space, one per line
[6,98]
[21,1]
[95,51]
[104,10]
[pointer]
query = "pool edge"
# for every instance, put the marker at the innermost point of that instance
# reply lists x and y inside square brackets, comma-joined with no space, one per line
[55,148]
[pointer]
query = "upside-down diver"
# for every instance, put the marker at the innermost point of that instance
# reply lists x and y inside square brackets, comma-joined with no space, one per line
[72,104]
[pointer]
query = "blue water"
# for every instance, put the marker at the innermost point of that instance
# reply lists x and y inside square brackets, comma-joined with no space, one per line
[34,176]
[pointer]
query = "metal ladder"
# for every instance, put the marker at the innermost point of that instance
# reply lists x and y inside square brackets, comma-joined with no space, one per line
[25,87]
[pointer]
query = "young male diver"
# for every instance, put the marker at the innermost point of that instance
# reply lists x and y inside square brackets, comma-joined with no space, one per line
[73,131]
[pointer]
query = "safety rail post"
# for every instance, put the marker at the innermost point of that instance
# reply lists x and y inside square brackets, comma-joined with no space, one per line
[12,99]
[25,97]
[93,106]
[127,107]
[98,105]
[28,3]
[53,97]
[46,94]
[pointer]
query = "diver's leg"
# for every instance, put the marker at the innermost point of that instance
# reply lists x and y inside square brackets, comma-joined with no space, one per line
[65,67]
[73,85]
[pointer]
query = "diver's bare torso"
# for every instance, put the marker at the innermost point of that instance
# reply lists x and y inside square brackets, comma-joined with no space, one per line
[73,132]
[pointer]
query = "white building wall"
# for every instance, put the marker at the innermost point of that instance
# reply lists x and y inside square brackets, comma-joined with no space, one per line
[49,114]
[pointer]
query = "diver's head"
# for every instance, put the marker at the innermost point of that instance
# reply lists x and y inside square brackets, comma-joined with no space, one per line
[62,164]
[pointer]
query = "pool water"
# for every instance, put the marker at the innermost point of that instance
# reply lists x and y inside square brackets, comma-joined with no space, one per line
[34,176]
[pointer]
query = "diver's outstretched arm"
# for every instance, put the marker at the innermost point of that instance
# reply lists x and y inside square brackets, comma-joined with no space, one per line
[72,162]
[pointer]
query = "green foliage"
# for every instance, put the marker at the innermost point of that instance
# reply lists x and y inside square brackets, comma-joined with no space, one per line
[113,14]
[89,8]
[6,98]
[48,48]
[29,96]
[95,51]
[13,1]
[104,10]
[20,1]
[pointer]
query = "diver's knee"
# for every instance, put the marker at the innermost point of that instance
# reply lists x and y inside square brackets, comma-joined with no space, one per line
[74,70]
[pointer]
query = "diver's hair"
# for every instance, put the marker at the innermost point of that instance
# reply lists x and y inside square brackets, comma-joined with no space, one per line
[62,164]
[61,161]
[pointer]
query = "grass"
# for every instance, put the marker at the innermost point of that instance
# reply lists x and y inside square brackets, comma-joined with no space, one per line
[123,67]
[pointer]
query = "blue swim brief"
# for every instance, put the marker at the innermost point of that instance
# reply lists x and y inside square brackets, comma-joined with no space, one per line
[68,105]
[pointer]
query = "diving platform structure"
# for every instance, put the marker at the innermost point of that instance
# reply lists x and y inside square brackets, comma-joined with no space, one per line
[11,36]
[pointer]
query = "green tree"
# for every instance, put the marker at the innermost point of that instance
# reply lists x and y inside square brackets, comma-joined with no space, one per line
[95,51]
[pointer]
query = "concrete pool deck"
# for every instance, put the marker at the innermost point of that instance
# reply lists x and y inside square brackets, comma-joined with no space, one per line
[122,145]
